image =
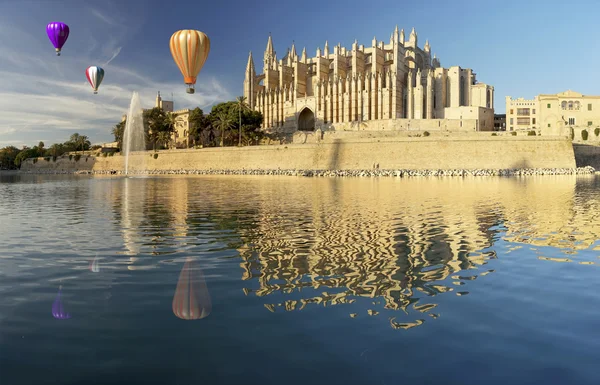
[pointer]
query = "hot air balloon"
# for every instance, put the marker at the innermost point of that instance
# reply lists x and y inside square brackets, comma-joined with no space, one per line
[57,33]
[94,75]
[189,49]
[191,300]
[58,309]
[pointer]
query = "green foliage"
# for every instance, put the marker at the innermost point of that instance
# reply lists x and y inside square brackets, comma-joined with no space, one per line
[54,159]
[77,157]
[229,112]
[105,154]
[111,153]
[155,122]
[118,132]
[7,157]
[426,133]
[572,135]
[47,159]
[531,133]
[513,133]
[70,156]
[597,131]
[494,134]
[35,160]
[155,156]
[584,134]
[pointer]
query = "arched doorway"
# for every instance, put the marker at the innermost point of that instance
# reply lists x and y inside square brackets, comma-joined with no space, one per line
[306,120]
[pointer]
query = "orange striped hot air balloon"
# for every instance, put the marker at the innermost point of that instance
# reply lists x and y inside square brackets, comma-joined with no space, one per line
[189,49]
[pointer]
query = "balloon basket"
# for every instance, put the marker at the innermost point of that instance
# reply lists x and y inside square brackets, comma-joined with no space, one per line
[95,92]
[190,90]
[58,54]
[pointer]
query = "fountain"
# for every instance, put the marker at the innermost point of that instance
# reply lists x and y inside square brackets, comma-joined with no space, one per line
[133,137]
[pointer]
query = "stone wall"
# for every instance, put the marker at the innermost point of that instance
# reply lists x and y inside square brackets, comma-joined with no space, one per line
[469,152]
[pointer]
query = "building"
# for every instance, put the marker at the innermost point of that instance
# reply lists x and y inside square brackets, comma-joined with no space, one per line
[499,122]
[553,114]
[181,137]
[397,82]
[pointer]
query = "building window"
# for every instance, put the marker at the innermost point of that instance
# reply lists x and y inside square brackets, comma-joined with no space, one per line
[570,105]
[523,121]
[511,121]
[571,121]
[511,128]
[563,105]
[548,105]
[589,106]
[512,111]
[532,120]
[523,111]
[533,111]
[589,123]
[576,105]
[548,125]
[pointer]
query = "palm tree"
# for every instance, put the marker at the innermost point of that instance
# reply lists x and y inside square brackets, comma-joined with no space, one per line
[163,137]
[222,123]
[241,106]
[169,125]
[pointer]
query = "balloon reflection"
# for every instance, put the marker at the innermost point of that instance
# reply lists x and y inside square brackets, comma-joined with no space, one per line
[58,308]
[191,300]
[95,264]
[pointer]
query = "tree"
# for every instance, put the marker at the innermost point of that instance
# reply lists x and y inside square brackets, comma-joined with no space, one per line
[251,120]
[7,157]
[155,122]
[118,132]
[80,142]
[199,124]
[241,106]
[163,138]
[41,147]
[222,123]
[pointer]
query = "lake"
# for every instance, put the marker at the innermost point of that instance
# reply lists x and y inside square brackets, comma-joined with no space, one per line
[290,280]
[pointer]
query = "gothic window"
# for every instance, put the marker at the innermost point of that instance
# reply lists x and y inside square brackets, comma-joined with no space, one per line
[576,105]
[563,105]
[570,104]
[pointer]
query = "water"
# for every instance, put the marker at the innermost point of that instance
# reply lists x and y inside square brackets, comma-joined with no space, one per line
[133,137]
[299,280]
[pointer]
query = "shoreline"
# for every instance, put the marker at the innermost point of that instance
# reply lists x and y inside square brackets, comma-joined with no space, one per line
[587,170]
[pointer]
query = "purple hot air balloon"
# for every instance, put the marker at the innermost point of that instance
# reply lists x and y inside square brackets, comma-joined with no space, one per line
[58,309]
[58,33]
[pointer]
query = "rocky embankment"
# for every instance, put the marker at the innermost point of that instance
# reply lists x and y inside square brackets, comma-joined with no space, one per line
[342,173]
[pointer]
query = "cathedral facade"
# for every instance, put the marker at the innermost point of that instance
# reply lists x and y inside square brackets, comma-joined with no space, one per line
[396,85]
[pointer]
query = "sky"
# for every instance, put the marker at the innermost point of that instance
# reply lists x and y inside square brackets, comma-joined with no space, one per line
[522,48]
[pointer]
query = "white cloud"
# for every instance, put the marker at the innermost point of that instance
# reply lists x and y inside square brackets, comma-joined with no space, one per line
[42,95]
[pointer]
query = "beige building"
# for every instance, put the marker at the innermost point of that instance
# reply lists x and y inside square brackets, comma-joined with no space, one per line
[553,114]
[340,88]
[181,137]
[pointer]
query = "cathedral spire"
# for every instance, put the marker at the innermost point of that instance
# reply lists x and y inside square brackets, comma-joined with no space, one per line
[250,65]
[402,37]
[326,50]
[270,50]
[303,58]
[413,36]
[293,52]
[427,48]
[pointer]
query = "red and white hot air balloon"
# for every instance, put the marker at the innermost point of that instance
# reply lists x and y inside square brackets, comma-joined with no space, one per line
[94,75]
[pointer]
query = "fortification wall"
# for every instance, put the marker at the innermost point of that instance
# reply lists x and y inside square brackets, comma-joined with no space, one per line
[345,154]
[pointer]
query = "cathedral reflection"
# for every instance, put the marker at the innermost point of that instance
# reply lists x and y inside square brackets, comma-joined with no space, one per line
[379,247]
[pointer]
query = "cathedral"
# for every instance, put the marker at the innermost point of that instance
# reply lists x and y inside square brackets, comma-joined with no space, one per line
[384,86]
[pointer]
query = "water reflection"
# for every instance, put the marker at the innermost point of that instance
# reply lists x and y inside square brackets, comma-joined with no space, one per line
[58,307]
[192,299]
[388,246]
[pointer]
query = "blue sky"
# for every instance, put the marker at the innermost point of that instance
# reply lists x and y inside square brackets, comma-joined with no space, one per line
[522,48]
